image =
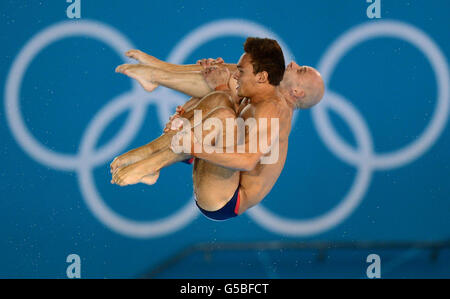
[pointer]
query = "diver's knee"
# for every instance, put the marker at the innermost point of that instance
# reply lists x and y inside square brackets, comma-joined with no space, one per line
[221,112]
[218,98]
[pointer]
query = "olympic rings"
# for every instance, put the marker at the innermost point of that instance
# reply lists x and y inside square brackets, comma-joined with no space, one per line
[363,157]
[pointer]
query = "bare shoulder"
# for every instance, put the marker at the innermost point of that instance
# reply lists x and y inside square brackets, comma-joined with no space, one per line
[269,108]
[220,98]
[219,93]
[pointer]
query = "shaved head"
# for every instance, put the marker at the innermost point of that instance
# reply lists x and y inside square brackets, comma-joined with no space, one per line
[313,88]
[302,85]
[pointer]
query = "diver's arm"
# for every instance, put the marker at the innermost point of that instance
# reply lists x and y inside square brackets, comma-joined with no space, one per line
[246,153]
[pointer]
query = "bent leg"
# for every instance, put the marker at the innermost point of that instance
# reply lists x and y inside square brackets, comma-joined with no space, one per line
[165,157]
[215,185]
[152,164]
[190,83]
[183,78]
[178,68]
[205,105]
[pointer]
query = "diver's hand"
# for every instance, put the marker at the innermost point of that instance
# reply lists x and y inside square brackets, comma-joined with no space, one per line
[173,123]
[217,77]
[207,62]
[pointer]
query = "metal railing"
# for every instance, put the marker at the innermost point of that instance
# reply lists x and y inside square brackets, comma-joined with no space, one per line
[321,246]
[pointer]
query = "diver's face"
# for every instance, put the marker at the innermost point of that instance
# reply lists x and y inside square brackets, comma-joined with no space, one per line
[246,80]
[293,66]
[293,75]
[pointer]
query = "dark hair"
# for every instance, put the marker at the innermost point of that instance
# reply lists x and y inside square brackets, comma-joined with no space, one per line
[266,55]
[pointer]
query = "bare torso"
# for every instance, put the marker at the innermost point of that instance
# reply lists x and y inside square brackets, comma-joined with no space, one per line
[257,183]
[211,180]
[214,185]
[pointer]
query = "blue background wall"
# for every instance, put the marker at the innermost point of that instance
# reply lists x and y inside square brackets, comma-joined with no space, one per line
[384,89]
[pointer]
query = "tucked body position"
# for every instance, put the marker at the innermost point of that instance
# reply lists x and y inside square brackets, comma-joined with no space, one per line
[259,92]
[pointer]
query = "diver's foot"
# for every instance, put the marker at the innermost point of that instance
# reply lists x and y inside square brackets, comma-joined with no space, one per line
[141,73]
[143,58]
[150,179]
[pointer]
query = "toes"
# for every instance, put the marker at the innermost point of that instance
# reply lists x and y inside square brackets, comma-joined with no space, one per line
[137,55]
[120,68]
[116,177]
[123,68]
[131,53]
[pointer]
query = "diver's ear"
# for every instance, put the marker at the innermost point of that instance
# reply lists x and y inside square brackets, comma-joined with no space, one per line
[262,77]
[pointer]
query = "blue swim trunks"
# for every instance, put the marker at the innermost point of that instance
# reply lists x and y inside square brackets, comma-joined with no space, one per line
[189,161]
[230,210]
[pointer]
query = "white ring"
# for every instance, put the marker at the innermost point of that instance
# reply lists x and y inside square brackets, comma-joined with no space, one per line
[228,27]
[365,160]
[291,227]
[49,35]
[417,38]
[120,224]
[114,221]
[368,160]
